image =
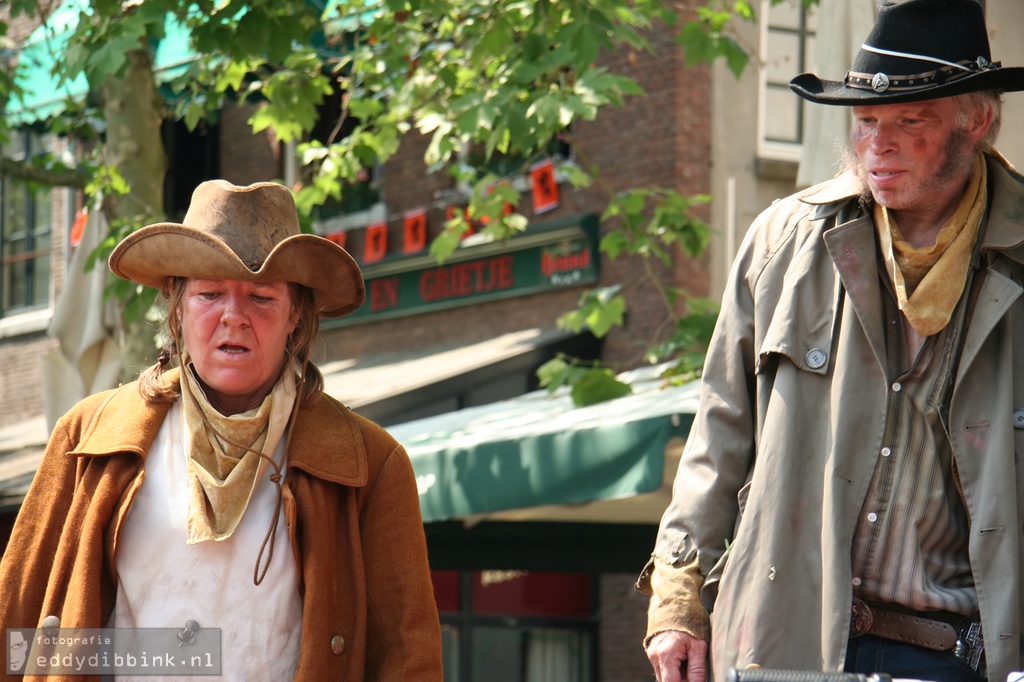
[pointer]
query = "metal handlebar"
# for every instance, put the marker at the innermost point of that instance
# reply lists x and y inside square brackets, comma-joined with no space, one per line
[768,675]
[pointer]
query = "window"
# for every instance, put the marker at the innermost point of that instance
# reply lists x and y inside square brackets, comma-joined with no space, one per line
[360,203]
[787,49]
[516,626]
[513,167]
[26,217]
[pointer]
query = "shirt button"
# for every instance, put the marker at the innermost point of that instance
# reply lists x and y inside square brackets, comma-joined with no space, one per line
[856,582]
[886,452]
[1018,418]
[872,517]
[815,358]
[337,645]
[897,386]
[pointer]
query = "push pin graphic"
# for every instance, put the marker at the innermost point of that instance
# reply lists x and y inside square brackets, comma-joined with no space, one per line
[188,635]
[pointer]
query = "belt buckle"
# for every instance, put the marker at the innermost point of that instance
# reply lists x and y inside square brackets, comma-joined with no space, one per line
[861,619]
[970,646]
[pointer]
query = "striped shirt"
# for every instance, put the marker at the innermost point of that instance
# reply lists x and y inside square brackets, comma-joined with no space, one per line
[911,541]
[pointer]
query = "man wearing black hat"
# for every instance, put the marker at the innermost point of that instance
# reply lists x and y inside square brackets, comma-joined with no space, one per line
[850,498]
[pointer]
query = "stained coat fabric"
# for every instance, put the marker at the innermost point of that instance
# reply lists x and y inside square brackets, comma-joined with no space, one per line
[354,529]
[790,427]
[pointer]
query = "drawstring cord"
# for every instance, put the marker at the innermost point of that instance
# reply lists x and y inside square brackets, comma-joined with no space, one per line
[271,537]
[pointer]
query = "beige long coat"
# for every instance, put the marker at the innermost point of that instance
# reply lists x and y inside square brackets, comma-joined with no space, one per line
[353,519]
[790,427]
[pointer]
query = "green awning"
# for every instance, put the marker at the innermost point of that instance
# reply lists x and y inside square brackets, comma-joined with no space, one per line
[539,450]
[45,95]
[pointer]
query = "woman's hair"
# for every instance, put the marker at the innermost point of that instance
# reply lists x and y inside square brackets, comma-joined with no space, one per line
[154,385]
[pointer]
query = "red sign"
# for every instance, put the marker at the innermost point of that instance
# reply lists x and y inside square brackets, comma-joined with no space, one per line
[338,238]
[452,211]
[415,232]
[544,186]
[506,209]
[376,242]
[78,228]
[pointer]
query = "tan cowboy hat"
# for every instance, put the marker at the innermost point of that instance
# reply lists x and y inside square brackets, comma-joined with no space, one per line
[242,233]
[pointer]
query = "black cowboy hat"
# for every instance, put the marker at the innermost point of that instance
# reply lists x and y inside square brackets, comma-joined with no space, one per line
[918,50]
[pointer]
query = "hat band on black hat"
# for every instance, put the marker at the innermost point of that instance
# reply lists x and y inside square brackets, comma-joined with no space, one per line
[882,82]
[920,57]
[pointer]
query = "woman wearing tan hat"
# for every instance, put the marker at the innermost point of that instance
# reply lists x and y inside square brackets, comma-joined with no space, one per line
[160,504]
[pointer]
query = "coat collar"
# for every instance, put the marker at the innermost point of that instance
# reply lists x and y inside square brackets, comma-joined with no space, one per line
[1005,229]
[327,441]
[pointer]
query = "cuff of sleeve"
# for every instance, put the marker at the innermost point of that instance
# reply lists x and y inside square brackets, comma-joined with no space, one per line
[675,601]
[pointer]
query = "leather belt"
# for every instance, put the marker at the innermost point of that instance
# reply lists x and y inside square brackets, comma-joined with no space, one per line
[909,628]
[964,639]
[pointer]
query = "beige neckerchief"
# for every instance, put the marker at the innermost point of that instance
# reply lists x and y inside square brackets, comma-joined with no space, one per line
[930,280]
[221,475]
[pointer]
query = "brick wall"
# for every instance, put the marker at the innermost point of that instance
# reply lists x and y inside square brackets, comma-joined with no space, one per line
[21,372]
[623,625]
[662,139]
[21,376]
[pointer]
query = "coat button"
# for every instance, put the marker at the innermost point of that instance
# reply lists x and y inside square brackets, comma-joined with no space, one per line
[815,358]
[337,645]
[50,625]
[1018,418]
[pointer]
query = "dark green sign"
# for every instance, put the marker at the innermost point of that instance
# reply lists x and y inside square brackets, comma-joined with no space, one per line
[559,255]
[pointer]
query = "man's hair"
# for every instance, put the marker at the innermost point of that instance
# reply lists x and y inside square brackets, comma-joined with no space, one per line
[299,346]
[970,102]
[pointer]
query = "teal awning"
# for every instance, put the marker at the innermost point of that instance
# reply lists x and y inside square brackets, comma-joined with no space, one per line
[539,450]
[44,94]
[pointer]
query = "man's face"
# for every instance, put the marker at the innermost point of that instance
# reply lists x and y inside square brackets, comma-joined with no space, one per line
[915,156]
[18,651]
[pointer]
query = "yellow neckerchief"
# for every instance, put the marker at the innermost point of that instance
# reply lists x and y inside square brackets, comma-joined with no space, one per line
[930,280]
[221,473]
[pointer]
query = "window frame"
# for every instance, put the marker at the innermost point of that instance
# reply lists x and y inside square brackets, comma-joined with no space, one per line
[778,150]
[27,316]
[462,627]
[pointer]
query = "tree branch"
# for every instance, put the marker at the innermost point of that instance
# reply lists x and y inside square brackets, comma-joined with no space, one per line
[25,170]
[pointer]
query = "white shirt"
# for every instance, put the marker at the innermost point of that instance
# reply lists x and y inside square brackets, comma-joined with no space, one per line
[163,582]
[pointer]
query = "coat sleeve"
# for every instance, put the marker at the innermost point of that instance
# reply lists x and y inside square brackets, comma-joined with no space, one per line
[695,531]
[31,574]
[404,635]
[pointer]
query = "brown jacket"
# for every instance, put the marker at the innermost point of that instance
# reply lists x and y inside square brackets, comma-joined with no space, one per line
[353,521]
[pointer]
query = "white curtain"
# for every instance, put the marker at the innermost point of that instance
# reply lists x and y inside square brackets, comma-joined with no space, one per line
[88,359]
[555,655]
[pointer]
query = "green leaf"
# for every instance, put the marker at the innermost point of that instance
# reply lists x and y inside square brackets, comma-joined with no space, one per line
[735,57]
[553,374]
[597,385]
[610,313]
[614,244]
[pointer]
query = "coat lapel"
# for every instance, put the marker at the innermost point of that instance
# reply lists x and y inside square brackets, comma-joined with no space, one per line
[343,459]
[852,247]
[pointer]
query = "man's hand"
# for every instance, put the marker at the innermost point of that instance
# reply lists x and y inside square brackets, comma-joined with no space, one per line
[677,656]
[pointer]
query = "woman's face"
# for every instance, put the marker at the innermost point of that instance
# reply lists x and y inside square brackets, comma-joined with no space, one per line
[235,333]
